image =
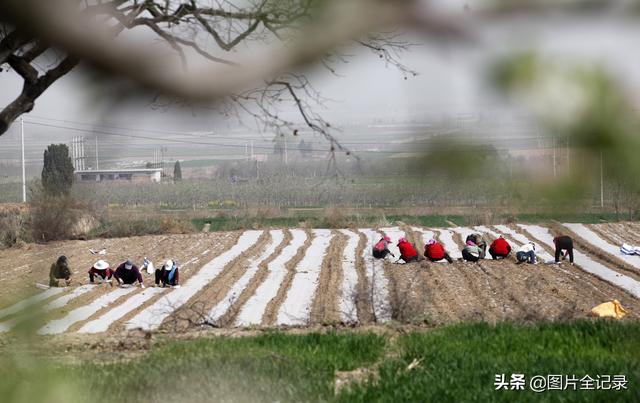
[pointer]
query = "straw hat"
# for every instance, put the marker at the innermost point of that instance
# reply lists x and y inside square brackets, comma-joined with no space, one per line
[101,265]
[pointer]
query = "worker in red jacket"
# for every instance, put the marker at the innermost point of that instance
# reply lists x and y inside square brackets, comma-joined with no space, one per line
[434,251]
[500,248]
[407,252]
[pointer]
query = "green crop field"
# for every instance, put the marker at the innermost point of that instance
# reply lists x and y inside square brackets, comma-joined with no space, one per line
[455,363]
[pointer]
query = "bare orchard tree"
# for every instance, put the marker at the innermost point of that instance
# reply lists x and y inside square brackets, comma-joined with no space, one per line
[43,40]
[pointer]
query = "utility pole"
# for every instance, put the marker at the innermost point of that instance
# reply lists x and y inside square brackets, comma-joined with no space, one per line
[24,176]
[252,154]
[601,180]
[97,159]
[286,156]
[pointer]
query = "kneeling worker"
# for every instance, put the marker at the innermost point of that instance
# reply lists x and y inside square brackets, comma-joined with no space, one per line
[128,273]
[434,251]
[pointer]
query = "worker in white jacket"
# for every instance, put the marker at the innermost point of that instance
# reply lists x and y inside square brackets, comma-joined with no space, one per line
[526,253]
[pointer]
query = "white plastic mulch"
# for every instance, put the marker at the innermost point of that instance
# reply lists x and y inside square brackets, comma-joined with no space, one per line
[153,316]
[103,323]
[349,286]
[255,307]
[83,312]
[376,281]
[587,264]
[34,299]
[277,236]
[593,238]
[55,304]
[296,308]
[451,246]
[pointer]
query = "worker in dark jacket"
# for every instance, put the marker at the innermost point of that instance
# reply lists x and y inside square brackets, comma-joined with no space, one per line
[101,271]
[479,242]
[564,247]
[407,252]
[499,248]
[60,271]
[128,273]
[168,275]
[434,251]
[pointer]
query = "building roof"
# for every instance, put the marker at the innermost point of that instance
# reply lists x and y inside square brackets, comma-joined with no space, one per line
[121,171]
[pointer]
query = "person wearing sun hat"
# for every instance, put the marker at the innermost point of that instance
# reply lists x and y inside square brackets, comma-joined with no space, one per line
[101,270]
[128,273]
[168,275]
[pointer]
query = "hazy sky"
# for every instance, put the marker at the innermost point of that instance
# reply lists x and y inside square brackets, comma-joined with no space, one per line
[450,80]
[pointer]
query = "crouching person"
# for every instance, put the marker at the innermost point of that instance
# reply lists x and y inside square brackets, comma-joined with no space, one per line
[168,275]
[407,251]
[526,253]
[60,271]
[434,251]
[100,271]
[472,252]
[499,248]
[127,274]
[477,240]
[381,248]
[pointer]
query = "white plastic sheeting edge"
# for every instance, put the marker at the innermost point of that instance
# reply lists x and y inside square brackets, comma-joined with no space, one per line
[296,308]
[446,237]
[83,312]
[349,286]
[253,310]
[103,323]
[377,282]
[55,304]
[34,299]
[153,316]
[593,238]
[277,236]
[587,264]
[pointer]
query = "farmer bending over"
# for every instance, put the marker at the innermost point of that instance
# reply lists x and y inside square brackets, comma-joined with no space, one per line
[101,271]
[434,251]
[564,247]
[499,248]
[381,249]
[526,253]
[479,242]
[59,271]
[168,275]
[407,252]
[472,252]
[128,273]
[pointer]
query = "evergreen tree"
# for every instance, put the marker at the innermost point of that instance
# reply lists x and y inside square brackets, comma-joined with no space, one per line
[57,172]
[177,171]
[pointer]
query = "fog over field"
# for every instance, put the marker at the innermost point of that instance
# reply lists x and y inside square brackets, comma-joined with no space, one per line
[370,104]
